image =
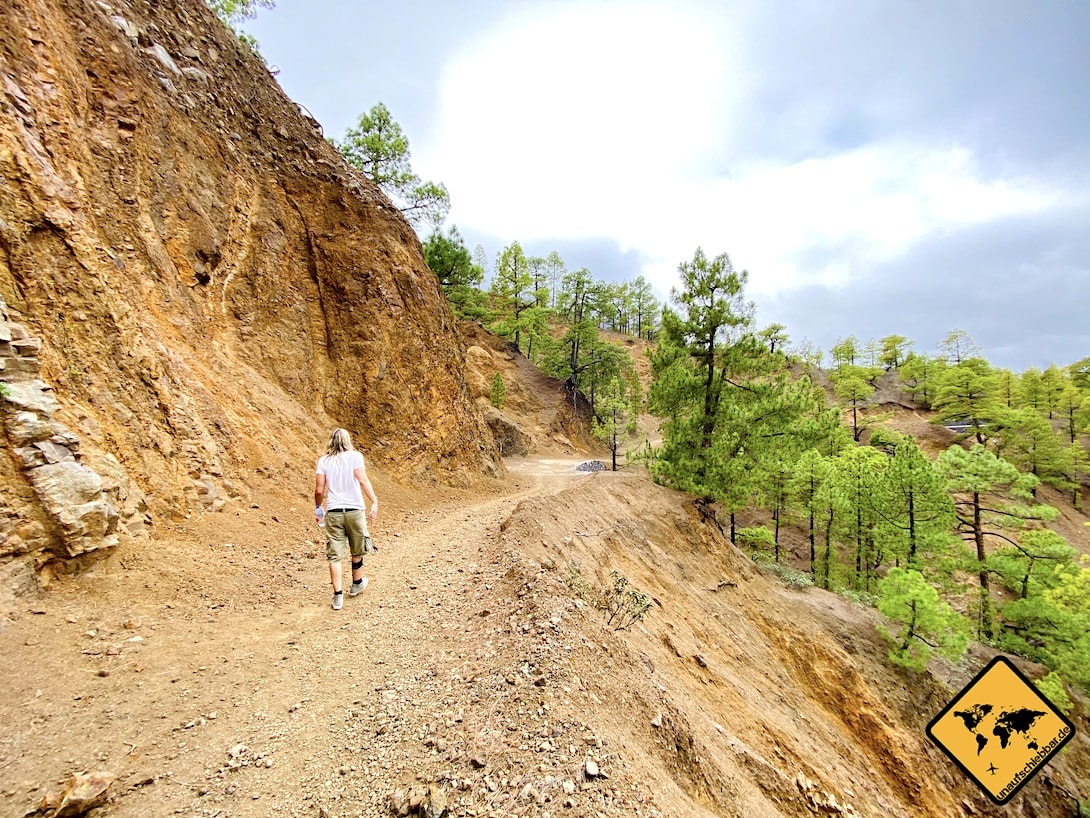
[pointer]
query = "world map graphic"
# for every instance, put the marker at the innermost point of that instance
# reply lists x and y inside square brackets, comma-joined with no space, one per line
[1004,725]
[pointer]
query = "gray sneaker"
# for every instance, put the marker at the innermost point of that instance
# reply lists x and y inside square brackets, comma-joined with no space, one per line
[357,586]
[338,600]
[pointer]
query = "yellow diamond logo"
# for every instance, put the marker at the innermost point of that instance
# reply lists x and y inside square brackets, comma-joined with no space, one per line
[1000,730]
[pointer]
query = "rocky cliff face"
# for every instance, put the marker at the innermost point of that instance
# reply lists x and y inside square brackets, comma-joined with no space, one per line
[195,287]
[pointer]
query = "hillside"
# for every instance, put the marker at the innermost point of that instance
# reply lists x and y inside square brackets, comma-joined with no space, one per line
[194,289]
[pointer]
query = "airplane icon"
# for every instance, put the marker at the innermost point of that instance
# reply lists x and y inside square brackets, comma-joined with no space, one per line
[992,769]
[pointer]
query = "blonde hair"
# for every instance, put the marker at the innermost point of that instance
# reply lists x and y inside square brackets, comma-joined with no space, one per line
[339,442]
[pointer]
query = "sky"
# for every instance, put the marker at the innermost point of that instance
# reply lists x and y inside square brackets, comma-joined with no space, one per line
[877,167]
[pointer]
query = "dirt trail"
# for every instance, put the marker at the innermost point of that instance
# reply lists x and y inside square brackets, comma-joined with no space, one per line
[225,684]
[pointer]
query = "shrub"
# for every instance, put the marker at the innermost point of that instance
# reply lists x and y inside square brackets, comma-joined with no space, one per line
[499,391]
[575,580]
[1052,688]
[791,576]
[859,597]
[758,538]
[624,606]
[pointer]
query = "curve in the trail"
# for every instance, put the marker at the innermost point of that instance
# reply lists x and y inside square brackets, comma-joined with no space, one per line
[380,659]
[240,690]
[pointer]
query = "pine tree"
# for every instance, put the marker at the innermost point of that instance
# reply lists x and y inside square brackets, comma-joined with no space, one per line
[1007,389]
[926,624]
[794,419]
[894,350]
[807,494]
[922,375]
[1079,459]
[1026,439]
[1024,566]
[499,392]
[646,308]
[775,336]
[991,498]
[378,148]
[708,316]
[968,391]
[846,352]
[515,298]
[958,346]
[915,510]
[555,270]
[1074,408]
[859,475]
[853,389]
[1080,374]
[460,277]
[574,303]
[615,407]
[1030,390]
[1053,627]
[1053,382]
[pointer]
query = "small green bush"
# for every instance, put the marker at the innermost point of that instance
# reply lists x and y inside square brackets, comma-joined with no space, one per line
[575,580]
[758,538]
[624,606]
[859,597]
[791,576]
[499,391]
[1052,688]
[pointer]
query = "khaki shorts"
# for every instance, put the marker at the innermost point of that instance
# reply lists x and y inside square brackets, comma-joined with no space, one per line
[346,525]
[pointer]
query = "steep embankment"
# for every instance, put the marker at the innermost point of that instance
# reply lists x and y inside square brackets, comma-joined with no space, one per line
[194,286]
[539,413]
[755,698]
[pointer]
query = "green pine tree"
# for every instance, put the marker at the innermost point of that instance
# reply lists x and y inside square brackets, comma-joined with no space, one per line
[853,389]
[459,275]
[894,351]
[991,498]
[922,375]
[1026,438]
[968,391]
[1053,627]
[499,391]
[860,474]
[616,404]
[916,512]
[708,316]
[923,623]
[808,496]
[1025,566]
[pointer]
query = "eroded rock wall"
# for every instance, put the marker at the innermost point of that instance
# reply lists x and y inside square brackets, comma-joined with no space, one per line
[207,286]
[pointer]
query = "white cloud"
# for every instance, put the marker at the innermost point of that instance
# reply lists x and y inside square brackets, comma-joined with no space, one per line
[585,122]
[864,207]
[584,106]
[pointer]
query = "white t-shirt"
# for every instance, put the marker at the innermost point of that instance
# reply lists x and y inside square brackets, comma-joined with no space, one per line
[342,488]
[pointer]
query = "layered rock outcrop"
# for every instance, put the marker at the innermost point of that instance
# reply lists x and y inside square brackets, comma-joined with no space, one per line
[204,285]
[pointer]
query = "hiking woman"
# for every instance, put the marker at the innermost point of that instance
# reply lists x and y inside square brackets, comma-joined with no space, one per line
[341,482]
